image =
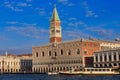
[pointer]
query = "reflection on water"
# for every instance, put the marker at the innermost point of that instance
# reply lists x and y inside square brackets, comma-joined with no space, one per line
[55,77]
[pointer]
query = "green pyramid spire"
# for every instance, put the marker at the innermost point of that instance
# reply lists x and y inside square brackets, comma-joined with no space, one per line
[55,16]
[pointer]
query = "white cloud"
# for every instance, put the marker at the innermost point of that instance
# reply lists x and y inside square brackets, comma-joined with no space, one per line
[101,32]
[30,31]
[41,11]
[27,30]
[74,34]
[72,18]
[71,4]
[23,4]
[16,6]
[77,24]
[66,2]
[11,6]
[19,23]
[89,13]
[12,22]
[95,31]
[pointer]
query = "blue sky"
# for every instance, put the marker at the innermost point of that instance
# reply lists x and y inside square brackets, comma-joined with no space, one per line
[25,23]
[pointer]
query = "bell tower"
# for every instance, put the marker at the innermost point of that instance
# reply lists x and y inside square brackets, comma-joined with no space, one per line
[55,27]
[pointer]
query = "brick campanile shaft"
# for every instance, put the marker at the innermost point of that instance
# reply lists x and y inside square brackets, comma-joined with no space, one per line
[55,27]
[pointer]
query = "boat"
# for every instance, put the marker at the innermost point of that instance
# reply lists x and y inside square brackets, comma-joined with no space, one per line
[100,71]
[91,71]
[52,73]
[71,72]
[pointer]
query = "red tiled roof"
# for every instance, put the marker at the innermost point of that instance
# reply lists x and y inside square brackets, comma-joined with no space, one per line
[25,55]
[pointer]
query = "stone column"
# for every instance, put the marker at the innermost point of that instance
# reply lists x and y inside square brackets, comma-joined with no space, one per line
[103,59]
[107,55]
[94,58]
[117,55]
[98,58]
[83,61]
[112,56]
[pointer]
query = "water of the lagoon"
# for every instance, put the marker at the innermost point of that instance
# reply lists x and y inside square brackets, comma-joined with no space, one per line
[55,77]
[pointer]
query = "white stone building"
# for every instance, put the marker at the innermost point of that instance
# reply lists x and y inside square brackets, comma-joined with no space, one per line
[107,45]
[15,64]
[108,58]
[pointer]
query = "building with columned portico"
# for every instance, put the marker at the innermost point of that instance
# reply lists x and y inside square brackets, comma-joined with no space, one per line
[107,58]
